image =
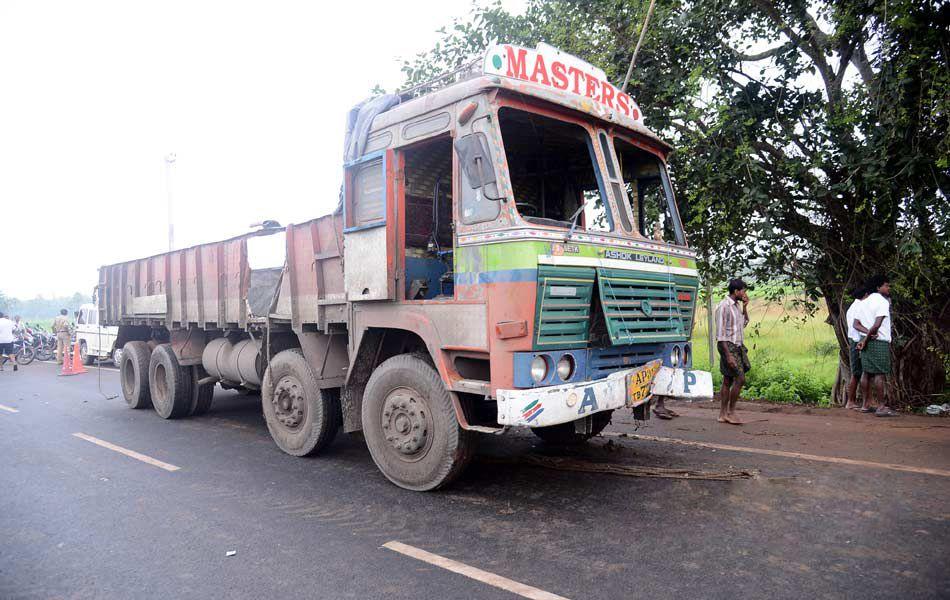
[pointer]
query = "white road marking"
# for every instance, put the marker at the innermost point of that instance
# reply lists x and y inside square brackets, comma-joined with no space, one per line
[525,591]
[8,409]
[132,453]
[797,455]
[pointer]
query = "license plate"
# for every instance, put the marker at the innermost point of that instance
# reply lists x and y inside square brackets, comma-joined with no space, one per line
[640,383]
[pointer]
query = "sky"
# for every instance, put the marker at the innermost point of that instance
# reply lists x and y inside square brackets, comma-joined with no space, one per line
[251,98]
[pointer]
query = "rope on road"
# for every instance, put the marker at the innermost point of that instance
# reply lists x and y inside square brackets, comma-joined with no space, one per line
[582,466]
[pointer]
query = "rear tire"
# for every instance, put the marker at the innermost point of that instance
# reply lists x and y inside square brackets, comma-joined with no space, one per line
[201,395]
[410,425]
[133,373]
[169,383]
[302,418]
[565,435]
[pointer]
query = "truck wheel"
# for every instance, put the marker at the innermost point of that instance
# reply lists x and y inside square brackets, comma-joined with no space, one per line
[84,355]
[133,371]
[170,384]
[410,425]
[201,395]
[302,418]
[564,433]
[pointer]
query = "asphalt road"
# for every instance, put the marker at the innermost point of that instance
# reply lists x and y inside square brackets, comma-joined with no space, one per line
[79,520]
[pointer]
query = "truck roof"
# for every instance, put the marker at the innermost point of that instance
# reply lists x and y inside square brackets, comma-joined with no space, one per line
[527,72]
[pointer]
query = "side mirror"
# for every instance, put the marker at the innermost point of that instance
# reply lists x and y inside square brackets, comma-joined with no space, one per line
[472,150]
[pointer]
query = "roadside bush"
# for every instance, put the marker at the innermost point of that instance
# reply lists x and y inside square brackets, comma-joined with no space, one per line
[775,381]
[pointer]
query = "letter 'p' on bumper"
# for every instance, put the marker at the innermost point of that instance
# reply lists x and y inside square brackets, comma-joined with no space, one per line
[553,405]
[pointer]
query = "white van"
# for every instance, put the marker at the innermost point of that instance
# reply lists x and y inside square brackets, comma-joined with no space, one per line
[95,341]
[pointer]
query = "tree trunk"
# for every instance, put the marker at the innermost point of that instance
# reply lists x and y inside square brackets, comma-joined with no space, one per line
[837,320]
[919,372]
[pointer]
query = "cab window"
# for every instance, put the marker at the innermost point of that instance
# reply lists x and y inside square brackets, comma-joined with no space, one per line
[553,171]
[649,194]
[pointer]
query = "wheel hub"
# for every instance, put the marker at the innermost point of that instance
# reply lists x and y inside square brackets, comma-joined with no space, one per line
[289,402]
[405,421]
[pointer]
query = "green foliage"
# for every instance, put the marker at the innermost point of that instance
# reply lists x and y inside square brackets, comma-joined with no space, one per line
[821,159]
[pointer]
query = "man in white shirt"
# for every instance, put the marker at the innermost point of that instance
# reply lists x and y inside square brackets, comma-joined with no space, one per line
[7,337]
[875,316]
[859,294]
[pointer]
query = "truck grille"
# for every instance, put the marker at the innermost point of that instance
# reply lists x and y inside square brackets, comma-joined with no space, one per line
[645,307]
[563,307]
[603,361]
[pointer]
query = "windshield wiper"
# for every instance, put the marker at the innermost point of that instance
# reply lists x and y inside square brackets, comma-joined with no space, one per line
[576,214]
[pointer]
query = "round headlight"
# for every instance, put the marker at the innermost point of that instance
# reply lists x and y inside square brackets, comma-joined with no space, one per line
[675,356]
[539,369]
[565,367]
[686,358]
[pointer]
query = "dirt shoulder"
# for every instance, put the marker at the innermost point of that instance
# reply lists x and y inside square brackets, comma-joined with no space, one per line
[835,432]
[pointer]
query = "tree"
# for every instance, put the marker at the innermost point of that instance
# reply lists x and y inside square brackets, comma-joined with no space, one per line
[812,141]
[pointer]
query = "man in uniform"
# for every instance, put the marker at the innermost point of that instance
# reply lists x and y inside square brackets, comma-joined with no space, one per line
[731,320]
[61,328]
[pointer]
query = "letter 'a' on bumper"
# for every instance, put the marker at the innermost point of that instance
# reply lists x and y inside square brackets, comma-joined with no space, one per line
[553,405]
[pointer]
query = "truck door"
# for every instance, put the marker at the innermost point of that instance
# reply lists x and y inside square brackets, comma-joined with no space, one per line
[369,228]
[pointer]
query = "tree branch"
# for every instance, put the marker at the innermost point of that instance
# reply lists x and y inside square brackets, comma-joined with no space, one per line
[742,56]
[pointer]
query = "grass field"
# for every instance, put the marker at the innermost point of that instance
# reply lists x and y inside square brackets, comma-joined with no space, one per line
[794,359]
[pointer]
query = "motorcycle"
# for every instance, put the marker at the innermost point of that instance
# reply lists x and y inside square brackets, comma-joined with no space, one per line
[44,344]
[23,350]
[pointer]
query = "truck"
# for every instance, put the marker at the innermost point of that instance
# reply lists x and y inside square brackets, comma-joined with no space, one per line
[506,252]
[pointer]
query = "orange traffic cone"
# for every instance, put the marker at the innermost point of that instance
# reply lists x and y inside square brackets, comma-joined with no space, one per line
[78,368]
[67,362]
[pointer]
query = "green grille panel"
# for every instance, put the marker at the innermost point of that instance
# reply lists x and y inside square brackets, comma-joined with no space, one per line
[563,307]
[646,307]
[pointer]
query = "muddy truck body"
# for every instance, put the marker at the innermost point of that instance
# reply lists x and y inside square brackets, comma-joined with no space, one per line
[507,253]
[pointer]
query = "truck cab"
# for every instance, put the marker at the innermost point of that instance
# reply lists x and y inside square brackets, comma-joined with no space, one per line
[531,198]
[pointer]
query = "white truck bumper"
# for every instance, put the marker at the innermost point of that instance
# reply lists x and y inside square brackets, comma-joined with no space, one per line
[687,384]
[553,405]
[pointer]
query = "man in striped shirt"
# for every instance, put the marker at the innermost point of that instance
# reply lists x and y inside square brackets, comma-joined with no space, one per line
[731,320]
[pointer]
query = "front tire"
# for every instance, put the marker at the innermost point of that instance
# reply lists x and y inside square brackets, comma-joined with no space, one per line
[302,418]
[84,355]
[565,434]
[25,356]
[169,383]
[410,425]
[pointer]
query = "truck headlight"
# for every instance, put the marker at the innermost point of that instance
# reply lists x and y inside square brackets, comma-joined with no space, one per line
[686,357]
[675,356]
[539,369]
[565,367]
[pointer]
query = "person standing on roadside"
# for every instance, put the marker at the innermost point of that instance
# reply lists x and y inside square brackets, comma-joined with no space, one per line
[7,337]
[875,347]
[859,294]
[731,320]
[61,327]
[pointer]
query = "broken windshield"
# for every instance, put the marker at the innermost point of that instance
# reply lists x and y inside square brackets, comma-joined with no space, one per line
[649,194]
[553,171]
